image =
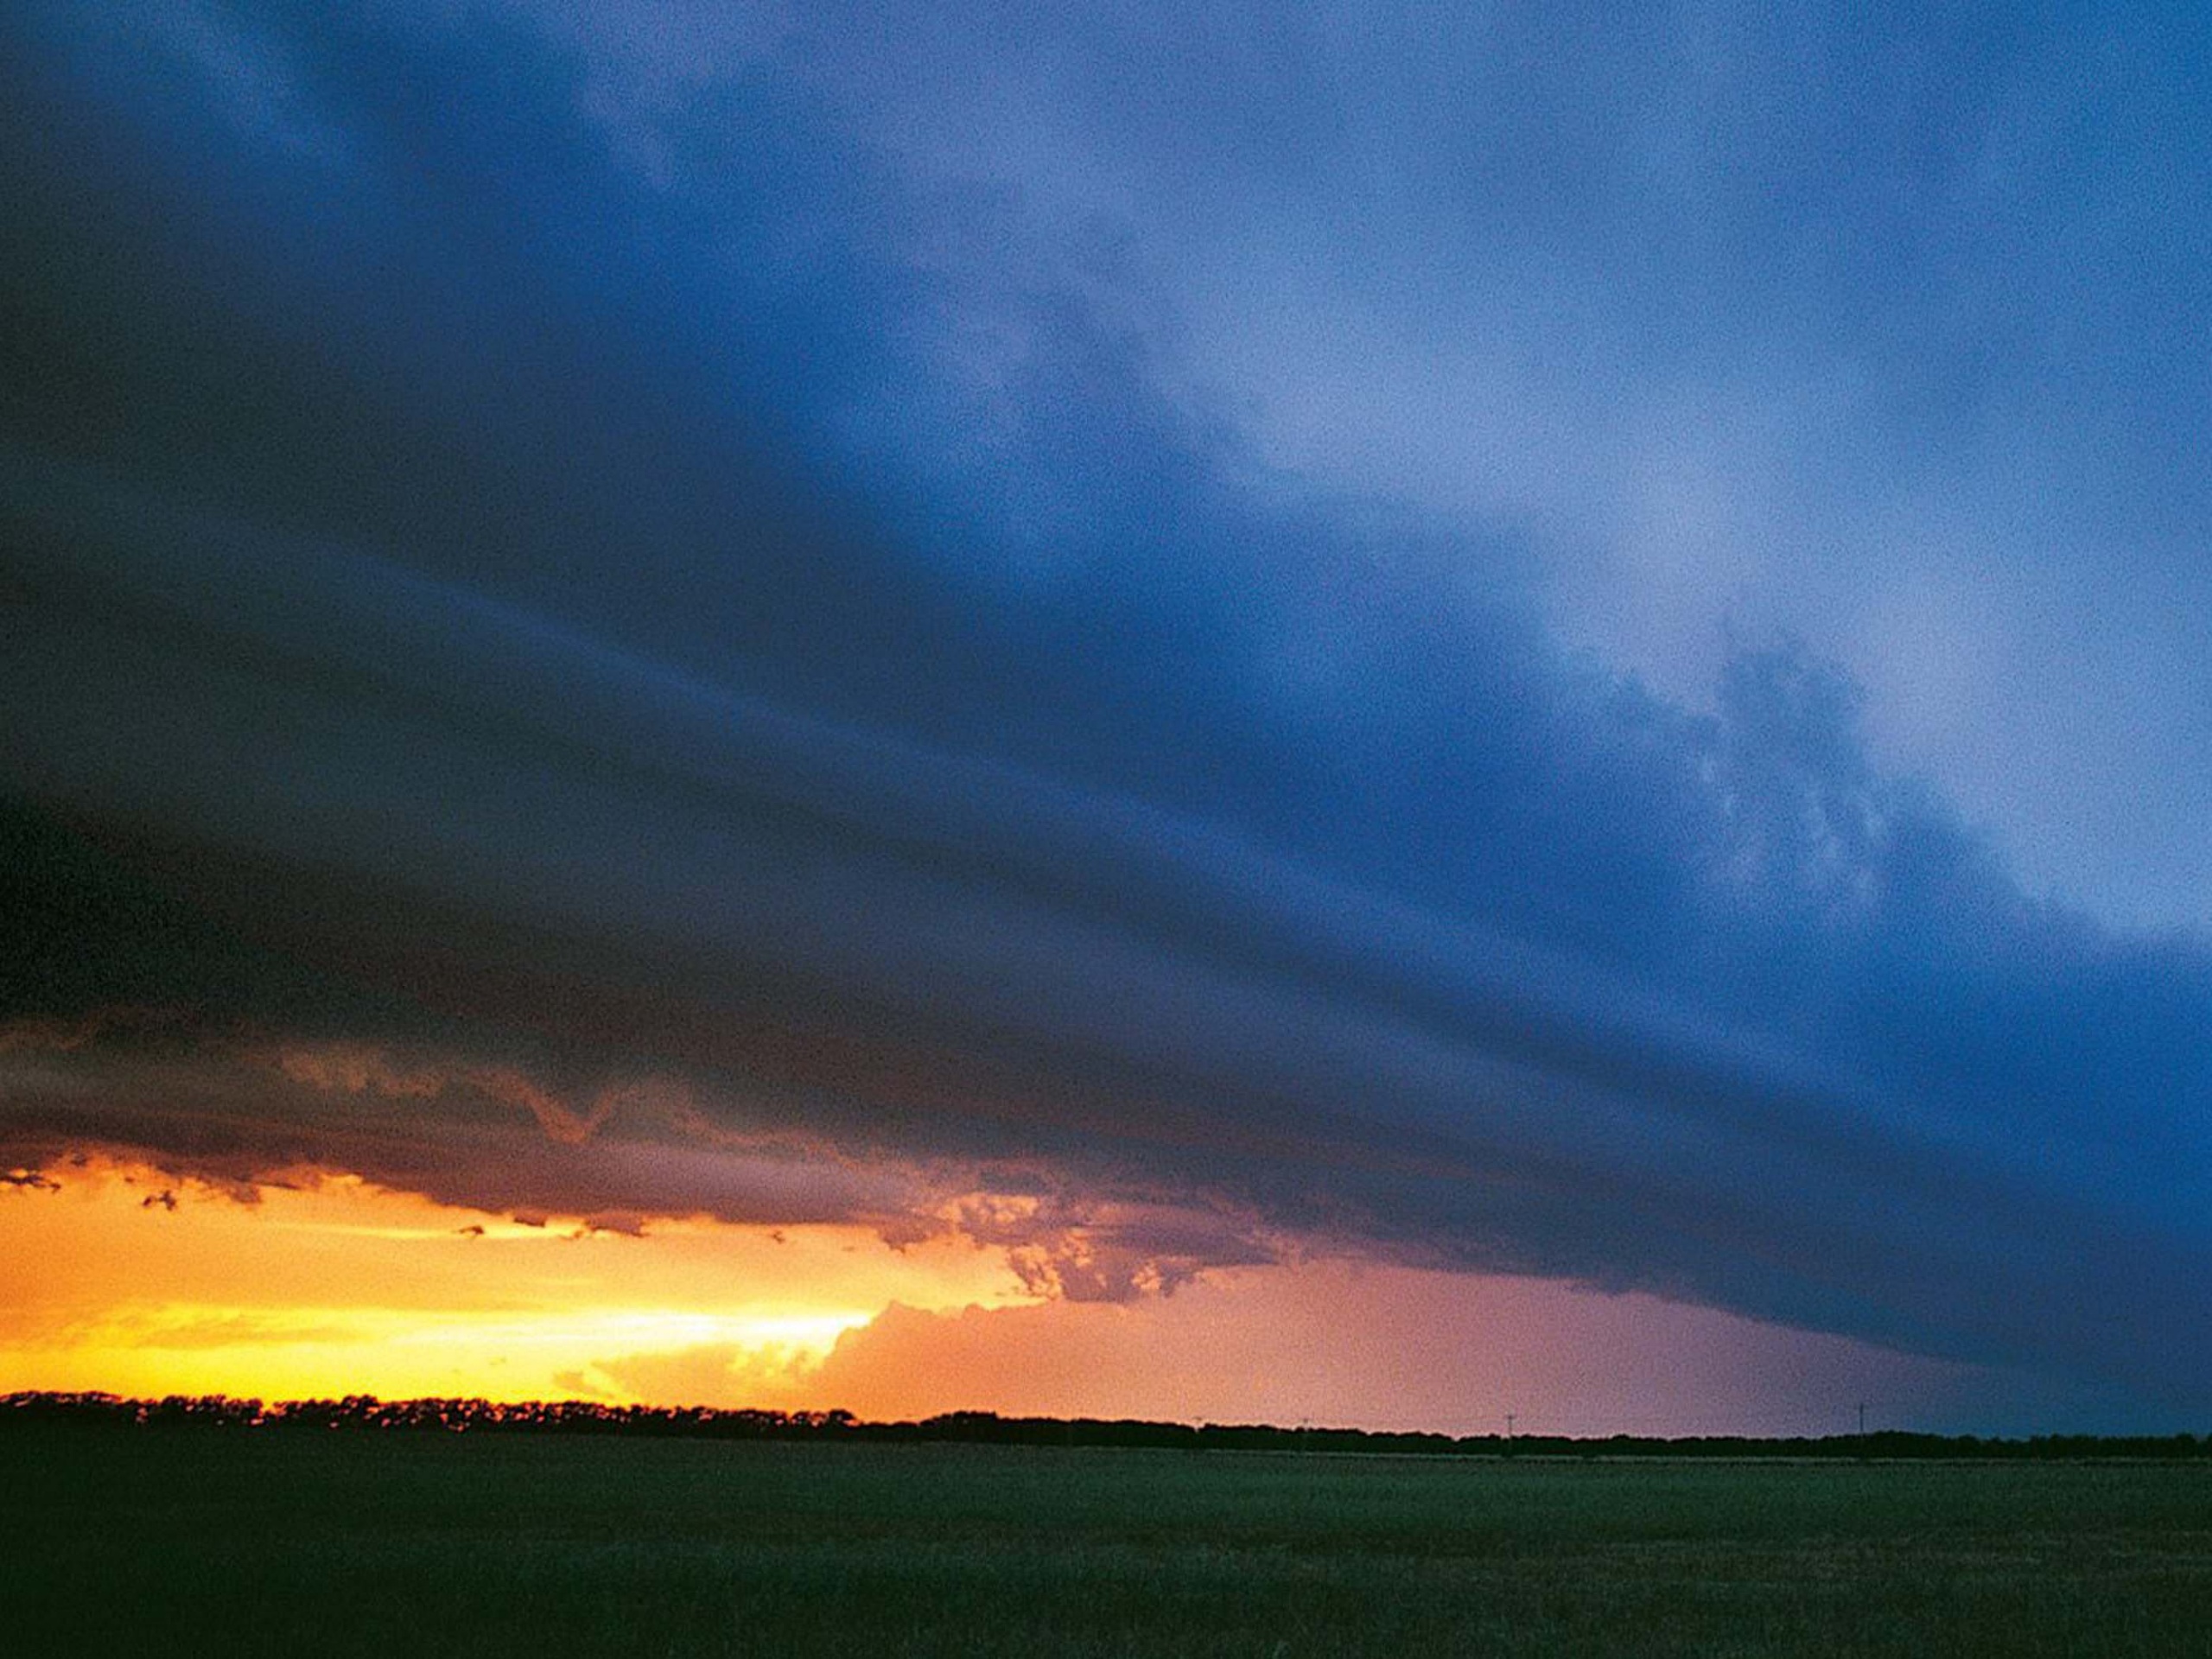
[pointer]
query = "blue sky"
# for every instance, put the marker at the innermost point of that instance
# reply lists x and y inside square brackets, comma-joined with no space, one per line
[1568,644]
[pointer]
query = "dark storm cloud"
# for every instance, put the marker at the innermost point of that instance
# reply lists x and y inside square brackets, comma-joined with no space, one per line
[597,643]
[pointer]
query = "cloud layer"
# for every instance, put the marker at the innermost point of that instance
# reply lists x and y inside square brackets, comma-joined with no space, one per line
[593,629]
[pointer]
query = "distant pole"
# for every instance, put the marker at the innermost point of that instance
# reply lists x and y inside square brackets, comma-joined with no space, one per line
[1862,1419]
[1508,1425]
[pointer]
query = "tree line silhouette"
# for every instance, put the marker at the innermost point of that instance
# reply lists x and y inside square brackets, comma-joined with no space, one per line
[363,1411]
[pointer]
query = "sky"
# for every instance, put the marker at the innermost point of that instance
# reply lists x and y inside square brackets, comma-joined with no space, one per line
[1312,714]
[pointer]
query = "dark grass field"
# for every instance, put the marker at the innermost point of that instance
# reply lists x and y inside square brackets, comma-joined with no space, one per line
[340,1543]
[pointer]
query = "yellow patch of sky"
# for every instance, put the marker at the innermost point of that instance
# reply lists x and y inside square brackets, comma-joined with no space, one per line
[331,1285]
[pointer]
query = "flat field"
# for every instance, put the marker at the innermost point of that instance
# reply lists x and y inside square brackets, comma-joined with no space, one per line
[120,1543]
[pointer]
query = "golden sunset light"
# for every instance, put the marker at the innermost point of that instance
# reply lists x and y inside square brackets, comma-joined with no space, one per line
[117,1278]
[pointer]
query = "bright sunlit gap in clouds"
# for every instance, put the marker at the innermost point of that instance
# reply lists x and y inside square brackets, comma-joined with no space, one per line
[129,1280]
[119,1278]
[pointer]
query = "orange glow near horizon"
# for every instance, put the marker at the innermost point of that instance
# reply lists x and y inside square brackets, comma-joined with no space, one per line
[125,1281]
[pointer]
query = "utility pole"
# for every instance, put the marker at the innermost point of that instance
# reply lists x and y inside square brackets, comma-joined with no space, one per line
[1862,1419]
[1508,1425]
